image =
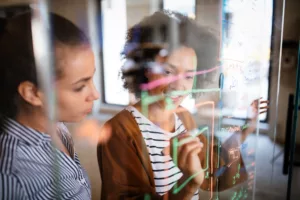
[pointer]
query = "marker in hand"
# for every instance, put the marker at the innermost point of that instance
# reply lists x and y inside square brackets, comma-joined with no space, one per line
[184,150]
[183,139]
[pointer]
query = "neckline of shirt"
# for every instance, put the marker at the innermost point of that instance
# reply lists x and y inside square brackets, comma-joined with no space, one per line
[177,121]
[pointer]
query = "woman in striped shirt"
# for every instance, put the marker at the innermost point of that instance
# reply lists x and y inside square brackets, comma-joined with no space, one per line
[135,162]
[30,166]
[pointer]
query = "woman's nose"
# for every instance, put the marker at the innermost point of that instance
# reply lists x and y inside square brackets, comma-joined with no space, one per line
[177,85]
[94,93]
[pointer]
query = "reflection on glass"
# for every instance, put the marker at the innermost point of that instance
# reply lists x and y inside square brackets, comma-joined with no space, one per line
[166,62]
[175,141]
[247,30]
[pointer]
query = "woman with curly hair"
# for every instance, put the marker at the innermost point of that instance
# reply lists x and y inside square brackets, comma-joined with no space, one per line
[136,161]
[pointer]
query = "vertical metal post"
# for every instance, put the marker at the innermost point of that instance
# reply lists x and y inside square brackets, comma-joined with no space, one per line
[288,131]
[94,17]
[42,49]
[293,135]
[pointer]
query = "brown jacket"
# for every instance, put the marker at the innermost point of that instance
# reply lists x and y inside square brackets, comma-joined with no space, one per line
[124,162]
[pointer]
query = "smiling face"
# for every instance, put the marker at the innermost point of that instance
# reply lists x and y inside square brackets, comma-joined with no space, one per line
[180,62]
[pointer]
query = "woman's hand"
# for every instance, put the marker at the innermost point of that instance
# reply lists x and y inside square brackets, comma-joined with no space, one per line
[187,158]
[256,111]
[258,106]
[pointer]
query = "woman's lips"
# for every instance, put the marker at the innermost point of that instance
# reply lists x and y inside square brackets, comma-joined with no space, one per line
[176,99]
[88,111]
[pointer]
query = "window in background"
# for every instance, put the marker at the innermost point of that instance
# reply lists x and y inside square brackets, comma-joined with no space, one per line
[114,29]
[186,7]
[115,23]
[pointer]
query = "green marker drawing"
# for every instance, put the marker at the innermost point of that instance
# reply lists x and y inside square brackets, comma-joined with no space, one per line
[194,133]
[176,144]
[170,105]
[233,196]
[147,100]
[144,98]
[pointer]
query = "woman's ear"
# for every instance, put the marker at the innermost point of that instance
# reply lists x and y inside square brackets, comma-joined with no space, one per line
[30,93]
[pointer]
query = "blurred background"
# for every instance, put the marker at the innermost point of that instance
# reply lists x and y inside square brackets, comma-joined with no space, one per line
[258,55]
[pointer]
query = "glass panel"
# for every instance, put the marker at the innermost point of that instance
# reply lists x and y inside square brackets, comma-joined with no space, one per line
[246,53]
[200,81]
[221,93]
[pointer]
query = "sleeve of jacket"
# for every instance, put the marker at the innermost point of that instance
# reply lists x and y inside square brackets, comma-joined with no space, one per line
[123,171]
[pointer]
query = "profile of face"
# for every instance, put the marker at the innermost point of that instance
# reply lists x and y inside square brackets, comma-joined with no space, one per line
[75,88]
[180,63]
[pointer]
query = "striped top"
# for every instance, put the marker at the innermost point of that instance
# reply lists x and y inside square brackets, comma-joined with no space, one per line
[166,174]
[30,168]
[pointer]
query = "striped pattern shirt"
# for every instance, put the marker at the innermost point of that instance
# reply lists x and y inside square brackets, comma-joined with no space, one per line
[166,173]
[30,168]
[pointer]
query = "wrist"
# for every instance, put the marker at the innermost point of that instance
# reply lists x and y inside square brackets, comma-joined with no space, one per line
[191,187]
[184,190]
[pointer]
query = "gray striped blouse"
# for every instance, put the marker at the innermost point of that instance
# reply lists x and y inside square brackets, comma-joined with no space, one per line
[30,168]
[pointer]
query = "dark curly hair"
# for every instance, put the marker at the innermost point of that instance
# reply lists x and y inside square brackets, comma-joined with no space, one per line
[145,40]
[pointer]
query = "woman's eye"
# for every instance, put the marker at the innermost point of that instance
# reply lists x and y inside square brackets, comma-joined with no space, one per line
[167,72]
[189,77]
[79,88]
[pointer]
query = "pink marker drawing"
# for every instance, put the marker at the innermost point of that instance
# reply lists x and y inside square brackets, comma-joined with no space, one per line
[167,80]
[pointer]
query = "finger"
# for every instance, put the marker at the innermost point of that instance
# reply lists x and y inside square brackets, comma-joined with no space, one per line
[196,150]
[186,143]
[264,110]
[174,143]
[178,141]
[187,156]
[265,101]
[261,112]
[187,146]
[185,140]
[180,136]
[264,107]
[186,149]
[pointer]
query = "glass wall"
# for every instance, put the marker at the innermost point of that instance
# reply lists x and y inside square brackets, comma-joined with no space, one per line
[192,82]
